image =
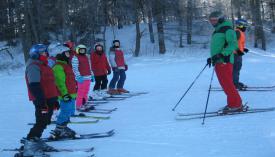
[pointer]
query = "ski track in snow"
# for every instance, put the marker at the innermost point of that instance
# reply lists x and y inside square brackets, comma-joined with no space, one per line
[146,126]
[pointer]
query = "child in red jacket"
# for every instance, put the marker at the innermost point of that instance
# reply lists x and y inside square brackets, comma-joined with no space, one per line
[100,68]
[119,67]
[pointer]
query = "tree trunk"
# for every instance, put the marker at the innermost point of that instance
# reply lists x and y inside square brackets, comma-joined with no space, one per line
[161,38]
[26,33]
[138,37]
[158,12]
[257,19]
[181,31]
[232,12]
[237,5]
[138,7]
[150,26]
[189,21]
[64,16]
[272,6]
[31,23]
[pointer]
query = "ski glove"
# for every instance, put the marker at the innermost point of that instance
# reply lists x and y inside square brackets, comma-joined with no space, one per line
[115,69]
[246,50]
[240,53]
[66,97]
[92,78]
[209,61]
[108,72]
[79,79]
[215,58]
[126,67]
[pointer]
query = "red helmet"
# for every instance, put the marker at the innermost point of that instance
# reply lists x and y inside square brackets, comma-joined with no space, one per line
[69,44]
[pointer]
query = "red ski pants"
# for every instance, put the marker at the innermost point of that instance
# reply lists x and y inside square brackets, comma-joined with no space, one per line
[224,74]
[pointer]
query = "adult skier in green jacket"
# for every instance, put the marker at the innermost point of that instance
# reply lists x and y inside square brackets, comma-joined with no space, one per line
[223,45]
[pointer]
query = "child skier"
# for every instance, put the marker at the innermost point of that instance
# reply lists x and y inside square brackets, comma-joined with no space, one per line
[241,26]
[119,67]
[66,84]
[43,92]
[82,72]
[101,69]
[70,45]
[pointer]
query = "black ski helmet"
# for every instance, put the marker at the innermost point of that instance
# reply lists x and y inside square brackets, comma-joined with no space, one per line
[218,15]
[98,44]
[116,41]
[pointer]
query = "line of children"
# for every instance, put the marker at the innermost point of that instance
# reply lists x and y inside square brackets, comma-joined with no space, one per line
[65,75]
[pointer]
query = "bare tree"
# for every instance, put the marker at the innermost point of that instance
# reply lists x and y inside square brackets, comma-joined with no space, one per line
[259,35]
[189,19]
[158,11]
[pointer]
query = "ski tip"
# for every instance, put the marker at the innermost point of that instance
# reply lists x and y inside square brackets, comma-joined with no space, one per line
[111,131]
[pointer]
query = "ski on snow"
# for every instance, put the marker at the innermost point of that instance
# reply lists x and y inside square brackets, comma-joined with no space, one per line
[252,87]
[247,90]
[58,150]
[134,93]
[191,116]
[82,136]
[82,115]
[75,122]
[98,102]
[101,111]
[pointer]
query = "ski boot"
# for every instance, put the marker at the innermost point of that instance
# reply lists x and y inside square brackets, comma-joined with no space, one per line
[34,148]
[239,87]
[62,131]
[104,94]
[96,95]
[242,85]
[43,145]
[113,92]
[122,90]
[84,108]
[227,109]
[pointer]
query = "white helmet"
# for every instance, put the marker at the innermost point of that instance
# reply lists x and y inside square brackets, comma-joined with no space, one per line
[57,48]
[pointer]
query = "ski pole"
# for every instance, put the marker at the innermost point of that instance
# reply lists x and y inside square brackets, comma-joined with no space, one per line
[189,88]
[207,100]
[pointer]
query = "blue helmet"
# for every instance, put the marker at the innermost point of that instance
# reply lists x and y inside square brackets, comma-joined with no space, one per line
[36,50]
[241,23]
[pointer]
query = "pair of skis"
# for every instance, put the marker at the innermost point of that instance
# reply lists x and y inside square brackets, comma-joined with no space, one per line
[77,137]
[100,110]
[115,97]
[57,150]
[87,150]
[82,115]
[83,136]
[191,116]
[107,99]
[250,88]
